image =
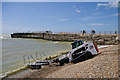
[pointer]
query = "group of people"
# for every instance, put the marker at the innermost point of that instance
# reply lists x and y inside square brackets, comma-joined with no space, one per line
[92,31]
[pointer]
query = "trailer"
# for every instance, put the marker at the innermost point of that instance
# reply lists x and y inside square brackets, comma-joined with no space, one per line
[80,51]
[37,63]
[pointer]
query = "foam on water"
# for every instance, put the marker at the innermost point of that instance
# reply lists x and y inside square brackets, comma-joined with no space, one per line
[1,37]
[5,36]
[55,42]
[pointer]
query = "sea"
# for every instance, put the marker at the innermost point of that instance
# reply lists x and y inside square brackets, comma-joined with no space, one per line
[13,50]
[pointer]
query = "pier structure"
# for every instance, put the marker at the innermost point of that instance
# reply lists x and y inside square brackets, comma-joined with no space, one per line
[100,39]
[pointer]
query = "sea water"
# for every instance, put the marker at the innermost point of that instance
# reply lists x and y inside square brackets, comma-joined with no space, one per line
[13,50]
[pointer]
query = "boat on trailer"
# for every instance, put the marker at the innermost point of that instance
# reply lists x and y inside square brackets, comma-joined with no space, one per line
[80,51]
[37,63]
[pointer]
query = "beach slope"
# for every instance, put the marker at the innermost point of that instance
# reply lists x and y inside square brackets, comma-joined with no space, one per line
[104,65]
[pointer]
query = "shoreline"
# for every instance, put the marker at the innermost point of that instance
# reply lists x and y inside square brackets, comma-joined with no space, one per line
[44,70]
[25,67]
[46,40]
[19,68]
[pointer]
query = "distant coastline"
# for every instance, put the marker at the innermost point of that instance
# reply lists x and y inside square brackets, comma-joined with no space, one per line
[100,39]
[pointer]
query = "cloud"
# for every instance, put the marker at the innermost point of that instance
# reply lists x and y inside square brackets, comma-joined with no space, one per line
[74,6]
[113,15]
[99,5]
[96,13]
[110,5]
[96,24]
[117,0]
[76,9]
[64,19]
[116,14]
[98,17]
[89,18]
[113,4]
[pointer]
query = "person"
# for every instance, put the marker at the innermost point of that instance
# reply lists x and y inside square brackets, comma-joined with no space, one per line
[84,31]
[115,32]
[92,31]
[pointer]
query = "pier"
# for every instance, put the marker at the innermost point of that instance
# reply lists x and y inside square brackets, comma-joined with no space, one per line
[100,39]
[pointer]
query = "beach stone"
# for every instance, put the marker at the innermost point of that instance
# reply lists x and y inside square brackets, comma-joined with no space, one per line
[117,38]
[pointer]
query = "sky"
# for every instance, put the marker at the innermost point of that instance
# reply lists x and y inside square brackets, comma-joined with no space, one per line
[59,16]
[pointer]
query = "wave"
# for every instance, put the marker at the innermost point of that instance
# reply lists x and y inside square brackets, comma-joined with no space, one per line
[1,37]
[55,42]
[5,36]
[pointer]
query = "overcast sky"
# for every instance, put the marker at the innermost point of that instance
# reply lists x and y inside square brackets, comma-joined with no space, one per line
[59,16]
